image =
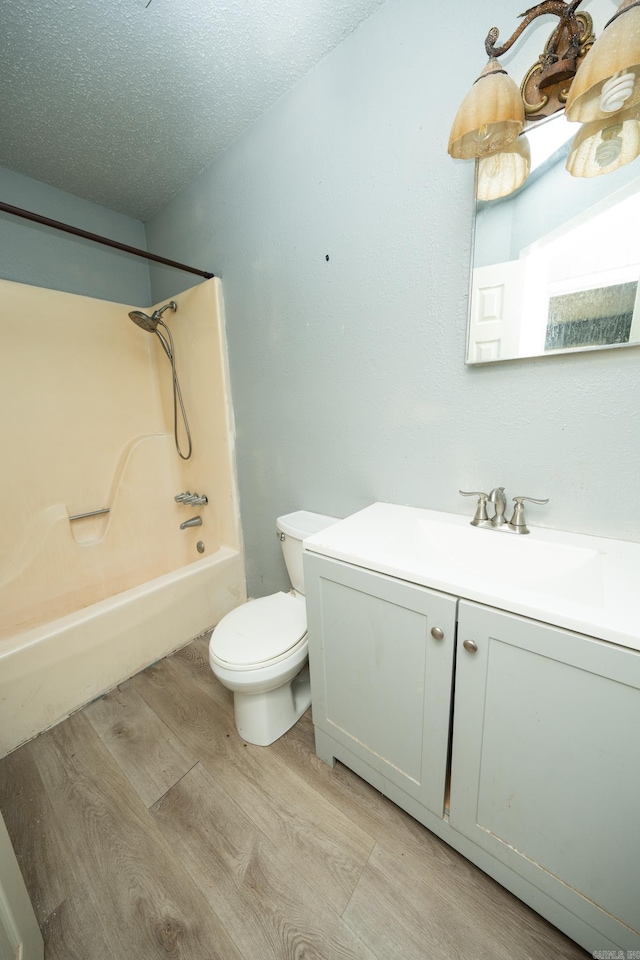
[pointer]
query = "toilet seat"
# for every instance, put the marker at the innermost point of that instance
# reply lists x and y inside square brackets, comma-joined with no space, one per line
[260,632]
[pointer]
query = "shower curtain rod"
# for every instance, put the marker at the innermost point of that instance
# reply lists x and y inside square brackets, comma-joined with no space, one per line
[77,232]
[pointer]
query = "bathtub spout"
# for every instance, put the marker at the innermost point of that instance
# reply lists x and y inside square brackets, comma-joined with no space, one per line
[194,522]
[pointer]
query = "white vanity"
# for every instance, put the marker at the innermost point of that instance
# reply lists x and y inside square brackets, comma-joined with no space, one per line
[490,685]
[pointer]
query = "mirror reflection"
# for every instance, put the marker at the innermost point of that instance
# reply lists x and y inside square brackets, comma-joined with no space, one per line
[556,264]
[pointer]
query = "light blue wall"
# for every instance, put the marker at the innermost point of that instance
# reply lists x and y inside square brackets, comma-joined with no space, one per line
[38,255]
[348,378]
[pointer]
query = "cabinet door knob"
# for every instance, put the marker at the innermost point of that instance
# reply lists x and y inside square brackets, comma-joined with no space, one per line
[471,646]
[437,633]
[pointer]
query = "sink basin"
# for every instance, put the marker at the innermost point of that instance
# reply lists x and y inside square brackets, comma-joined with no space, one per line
[518,560]
[584,583]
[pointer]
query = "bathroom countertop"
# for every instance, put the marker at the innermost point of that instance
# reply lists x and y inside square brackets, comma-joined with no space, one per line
[587,584]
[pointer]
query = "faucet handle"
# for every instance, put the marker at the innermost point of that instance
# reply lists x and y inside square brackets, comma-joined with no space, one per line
[517,522]
[481,509]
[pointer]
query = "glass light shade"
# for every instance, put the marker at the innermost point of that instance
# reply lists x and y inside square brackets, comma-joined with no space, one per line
[605,145]
[489,118]
[502,173]
[608,79]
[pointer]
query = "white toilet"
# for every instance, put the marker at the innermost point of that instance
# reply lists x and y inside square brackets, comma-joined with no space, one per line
[259,650]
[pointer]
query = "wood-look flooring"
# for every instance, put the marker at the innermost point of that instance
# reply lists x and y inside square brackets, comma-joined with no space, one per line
[146,828]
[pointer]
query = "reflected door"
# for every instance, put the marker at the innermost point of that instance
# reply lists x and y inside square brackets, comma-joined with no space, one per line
[496,309]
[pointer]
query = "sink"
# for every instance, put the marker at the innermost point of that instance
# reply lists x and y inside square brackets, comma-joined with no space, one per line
[547,565]
[581,582]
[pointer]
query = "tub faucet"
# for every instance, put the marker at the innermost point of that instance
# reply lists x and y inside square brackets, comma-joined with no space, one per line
[194,522]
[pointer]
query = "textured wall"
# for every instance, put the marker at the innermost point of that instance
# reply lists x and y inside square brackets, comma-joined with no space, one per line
[49,258]
[347,375]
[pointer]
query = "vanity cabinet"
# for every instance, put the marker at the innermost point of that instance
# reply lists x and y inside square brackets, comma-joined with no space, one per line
[513,740]
[546,762]
[381,659]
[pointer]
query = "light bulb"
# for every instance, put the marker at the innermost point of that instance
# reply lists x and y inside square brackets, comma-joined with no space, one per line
[617,91]
[604,146]
[609,150]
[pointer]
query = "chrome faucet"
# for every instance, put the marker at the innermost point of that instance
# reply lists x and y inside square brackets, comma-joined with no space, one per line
[498,499]
[481,518]
[191,499]
[194,522]
[517,524]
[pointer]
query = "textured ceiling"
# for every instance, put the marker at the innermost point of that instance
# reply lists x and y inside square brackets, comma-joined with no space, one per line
[123,103]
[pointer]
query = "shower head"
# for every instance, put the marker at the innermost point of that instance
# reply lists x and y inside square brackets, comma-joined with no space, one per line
[150,323]
[143,321]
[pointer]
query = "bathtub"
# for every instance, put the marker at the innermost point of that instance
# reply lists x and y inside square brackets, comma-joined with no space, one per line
[49,671]
[97,577]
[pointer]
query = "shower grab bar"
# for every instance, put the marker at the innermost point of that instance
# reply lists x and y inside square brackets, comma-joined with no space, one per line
[91,513]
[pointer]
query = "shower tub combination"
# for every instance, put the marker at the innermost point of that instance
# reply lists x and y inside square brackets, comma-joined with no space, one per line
[101,572]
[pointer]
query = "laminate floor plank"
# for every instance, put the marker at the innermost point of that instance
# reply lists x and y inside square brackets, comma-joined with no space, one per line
[252,853]
[139,900]
[377,816]
[397,833]
[75,930]
[194,660]
[501,921]
[270,910]
[405,917]
[356,799]
[318,840]
[151,757]
[425,858]
[35,833]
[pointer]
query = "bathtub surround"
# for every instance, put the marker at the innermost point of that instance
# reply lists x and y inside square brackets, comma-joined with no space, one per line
[347,373]
[86,602]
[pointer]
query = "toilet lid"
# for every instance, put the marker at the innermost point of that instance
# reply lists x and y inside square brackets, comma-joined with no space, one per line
[260,630]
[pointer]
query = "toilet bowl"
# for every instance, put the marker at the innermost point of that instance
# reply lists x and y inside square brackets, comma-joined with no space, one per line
[259,651]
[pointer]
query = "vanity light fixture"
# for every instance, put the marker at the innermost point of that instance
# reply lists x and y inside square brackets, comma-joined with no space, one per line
[609,81]
[543,89]
[605,93]
[490,117]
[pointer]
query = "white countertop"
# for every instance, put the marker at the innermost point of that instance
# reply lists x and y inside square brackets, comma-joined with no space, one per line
[579,582]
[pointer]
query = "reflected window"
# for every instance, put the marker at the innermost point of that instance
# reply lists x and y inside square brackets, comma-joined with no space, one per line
[589,318]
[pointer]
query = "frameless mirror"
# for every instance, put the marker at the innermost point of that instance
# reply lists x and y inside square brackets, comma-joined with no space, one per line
[556,264]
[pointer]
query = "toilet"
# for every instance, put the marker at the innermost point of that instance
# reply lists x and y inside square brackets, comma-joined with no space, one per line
[259,650]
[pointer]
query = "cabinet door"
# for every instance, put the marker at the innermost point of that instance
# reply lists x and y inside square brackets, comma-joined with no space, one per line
[380,680]
[546,763]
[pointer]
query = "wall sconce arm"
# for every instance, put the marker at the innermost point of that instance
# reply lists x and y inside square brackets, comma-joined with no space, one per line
[565,11]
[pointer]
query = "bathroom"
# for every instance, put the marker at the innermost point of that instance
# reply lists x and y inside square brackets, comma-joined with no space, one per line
[342,233]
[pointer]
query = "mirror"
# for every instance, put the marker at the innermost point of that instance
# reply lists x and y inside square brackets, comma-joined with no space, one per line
[556,264]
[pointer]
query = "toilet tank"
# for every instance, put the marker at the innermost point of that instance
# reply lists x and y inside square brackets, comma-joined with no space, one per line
[293,528]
